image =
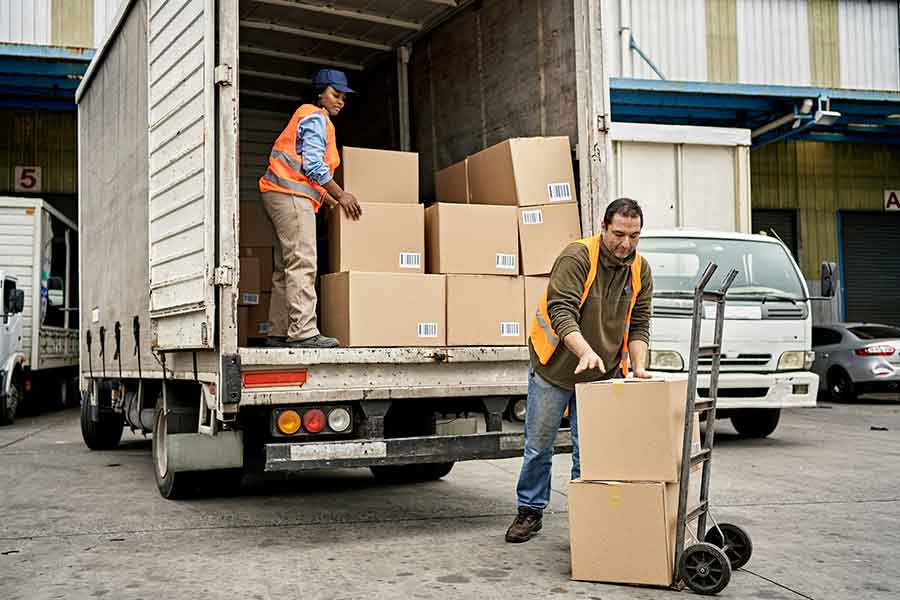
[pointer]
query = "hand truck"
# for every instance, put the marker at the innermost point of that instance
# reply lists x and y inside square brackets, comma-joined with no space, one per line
[705,566]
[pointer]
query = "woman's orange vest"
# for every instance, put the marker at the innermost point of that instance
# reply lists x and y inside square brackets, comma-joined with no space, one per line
[285,172]
[544,339]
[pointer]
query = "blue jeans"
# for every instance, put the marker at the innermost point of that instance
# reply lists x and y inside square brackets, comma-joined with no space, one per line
[546,405]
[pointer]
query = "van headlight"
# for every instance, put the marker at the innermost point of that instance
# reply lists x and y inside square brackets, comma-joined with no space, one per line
[666,360]
[796,360]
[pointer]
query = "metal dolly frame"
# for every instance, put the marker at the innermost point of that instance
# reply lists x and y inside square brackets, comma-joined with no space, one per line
[705,566]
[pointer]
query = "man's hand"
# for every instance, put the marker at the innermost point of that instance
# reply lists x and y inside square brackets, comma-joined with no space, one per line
[350,205]
[589,360]
[641,374]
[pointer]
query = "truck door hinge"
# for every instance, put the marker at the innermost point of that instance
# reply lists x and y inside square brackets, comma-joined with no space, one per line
[602,124]
[224,276]
[223,75]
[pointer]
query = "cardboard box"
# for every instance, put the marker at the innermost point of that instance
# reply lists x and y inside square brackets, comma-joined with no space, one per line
[250,279]
[384,309]
[380,175]
[472,239]
[265,256]
[485,310]
[259,317]
[388,238]
[534,290]
[255,227]
[523,172]
[544,231]
[632,430]
[622,532]
[243,325]
[451,185]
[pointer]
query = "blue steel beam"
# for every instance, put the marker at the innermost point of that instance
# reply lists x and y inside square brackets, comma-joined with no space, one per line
[47,52]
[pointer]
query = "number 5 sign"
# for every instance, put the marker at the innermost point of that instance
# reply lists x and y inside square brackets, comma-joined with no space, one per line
[28,179]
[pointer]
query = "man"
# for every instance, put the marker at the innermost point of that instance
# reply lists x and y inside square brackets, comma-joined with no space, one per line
[598,304]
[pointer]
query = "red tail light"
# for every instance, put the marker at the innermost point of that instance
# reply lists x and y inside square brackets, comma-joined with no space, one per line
[314,420]
[876,350]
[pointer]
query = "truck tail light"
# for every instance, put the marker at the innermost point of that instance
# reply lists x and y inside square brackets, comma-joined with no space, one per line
[314,420]
[289,422]
[339,420]
[876,350]
[253,379]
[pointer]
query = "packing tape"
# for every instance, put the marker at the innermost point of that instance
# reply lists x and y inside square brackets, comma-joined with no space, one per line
[614,498]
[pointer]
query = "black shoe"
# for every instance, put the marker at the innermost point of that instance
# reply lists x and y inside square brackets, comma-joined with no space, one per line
[275,341]
[527,523]
[316,341]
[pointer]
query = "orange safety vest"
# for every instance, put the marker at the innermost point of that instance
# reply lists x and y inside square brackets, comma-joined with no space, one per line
[544,339]
[285,172]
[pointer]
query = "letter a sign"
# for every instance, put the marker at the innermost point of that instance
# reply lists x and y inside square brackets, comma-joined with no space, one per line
[891,199]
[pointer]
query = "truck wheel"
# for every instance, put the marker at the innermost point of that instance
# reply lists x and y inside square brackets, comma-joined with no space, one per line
[411,473]
[186,484]
[756,422]
[12,400]
[106,433]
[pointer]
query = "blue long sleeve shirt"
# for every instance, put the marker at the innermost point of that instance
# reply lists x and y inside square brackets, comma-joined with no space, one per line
[311,141]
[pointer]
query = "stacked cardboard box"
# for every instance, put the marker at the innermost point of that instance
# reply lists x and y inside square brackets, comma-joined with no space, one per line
[623,510]
[257,240]
[377,293]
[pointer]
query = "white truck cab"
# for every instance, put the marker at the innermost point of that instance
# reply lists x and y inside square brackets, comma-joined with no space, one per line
[767,354]
[11,355]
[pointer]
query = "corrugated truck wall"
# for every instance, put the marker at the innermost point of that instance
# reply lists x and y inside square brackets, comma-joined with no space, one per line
[37,138]
[496,71]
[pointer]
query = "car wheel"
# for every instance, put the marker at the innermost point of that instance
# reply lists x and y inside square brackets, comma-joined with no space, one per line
[840,386]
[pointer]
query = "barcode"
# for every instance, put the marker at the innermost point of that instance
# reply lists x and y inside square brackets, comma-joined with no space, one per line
[506,261]
[532,217]
[509,329]
[427,330]
[559,192]
[410,260]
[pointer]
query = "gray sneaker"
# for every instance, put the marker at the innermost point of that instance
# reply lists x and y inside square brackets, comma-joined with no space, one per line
[316,341]
[275,341]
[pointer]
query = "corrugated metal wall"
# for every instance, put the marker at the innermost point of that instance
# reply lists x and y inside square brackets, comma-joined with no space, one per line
[104,13]
[773,42]
[25,21]
[869,43]
[39,138]
[72,23]
[820,178]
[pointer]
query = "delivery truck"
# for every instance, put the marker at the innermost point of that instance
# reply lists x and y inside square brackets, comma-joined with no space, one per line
[177,114]
[39,348]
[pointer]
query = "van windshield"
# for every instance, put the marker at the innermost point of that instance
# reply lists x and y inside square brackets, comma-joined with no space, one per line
[765,270]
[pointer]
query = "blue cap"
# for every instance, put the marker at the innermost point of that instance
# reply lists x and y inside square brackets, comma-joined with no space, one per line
[334,78]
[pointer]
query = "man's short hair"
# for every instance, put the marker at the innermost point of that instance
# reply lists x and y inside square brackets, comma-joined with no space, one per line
[625,207]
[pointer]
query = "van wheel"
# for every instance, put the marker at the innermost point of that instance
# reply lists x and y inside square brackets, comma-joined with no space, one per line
[106,433]
[411,473]
[12,400]
[756,422]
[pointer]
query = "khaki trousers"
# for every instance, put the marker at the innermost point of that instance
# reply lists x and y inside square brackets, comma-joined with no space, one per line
[292,311]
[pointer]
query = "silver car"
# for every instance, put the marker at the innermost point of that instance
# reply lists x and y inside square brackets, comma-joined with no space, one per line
[856,358]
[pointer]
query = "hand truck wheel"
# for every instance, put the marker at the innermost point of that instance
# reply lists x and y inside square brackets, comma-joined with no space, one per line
[737,544]
[705,569]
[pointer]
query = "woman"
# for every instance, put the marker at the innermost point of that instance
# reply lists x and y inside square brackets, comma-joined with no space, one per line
[298,181]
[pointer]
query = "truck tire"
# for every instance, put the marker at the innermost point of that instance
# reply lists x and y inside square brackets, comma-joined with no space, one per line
[106,433]
[186,484]
[10,402]
[411,473]
[756,422]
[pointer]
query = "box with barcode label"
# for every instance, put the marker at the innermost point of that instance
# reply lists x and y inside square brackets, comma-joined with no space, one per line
[471,239]
[388,238]
[523,172]
[384,309]
[485,310]
[543,233]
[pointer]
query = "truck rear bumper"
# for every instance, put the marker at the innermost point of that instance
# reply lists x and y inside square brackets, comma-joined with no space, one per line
[303,456]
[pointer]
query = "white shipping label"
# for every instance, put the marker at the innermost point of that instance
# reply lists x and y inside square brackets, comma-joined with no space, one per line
[509,329]
[248,298]
[559,192]
[506,261]
[532,217]
[410,260]
[427,330]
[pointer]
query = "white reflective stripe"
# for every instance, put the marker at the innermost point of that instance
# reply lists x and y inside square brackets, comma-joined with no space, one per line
[294,186]
[287,159]
[551,336]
